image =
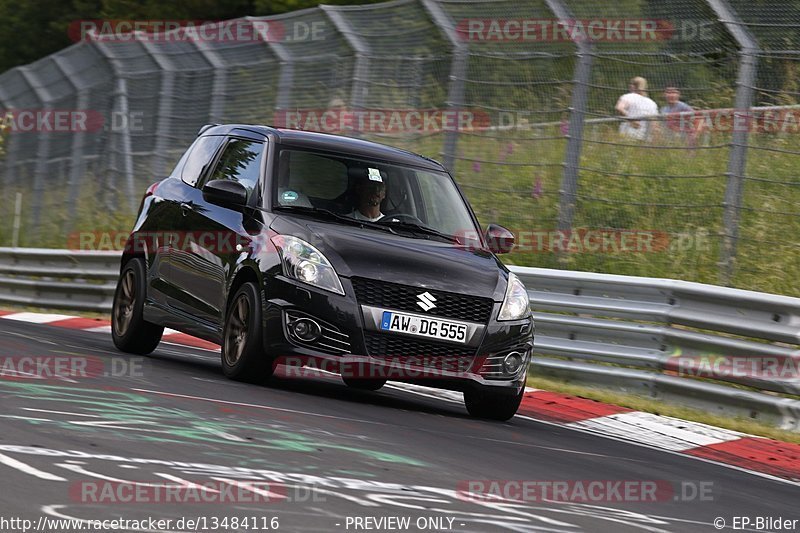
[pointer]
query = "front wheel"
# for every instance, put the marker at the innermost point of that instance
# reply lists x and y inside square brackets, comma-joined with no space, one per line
[129,330]
[492,404]
[243,357]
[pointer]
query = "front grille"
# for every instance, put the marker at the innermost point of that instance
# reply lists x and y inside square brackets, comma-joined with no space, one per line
[419,353]
[404,298]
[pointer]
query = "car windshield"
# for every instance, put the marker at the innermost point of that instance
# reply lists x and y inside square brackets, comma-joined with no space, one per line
[415,202]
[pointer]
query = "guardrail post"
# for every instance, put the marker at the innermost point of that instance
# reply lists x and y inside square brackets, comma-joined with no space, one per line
[568,193]
[358,92]
[458,74]
[737,160]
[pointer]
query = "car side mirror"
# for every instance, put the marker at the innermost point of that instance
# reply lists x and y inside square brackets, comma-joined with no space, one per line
[499,239]
[226,193]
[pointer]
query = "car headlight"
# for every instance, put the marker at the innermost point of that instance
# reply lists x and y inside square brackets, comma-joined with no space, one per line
[516,304]
[303,262]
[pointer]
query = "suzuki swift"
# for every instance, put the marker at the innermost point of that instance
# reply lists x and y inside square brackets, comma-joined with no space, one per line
[307,249]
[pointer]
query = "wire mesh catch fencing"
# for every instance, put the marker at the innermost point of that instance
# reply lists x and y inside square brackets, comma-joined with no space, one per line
[517,98]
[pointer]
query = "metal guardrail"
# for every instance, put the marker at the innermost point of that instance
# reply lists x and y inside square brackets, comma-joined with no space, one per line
[61,279]
[654,337]
[645,336]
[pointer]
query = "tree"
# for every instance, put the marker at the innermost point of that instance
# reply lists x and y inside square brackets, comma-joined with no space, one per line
[37,28]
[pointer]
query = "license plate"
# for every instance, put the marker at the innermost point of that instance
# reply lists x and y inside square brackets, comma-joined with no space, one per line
[424,327]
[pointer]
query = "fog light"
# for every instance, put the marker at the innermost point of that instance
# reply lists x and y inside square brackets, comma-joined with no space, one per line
[306,329]
[512,363]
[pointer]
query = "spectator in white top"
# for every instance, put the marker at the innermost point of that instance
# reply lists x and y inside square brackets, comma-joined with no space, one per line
[635,104]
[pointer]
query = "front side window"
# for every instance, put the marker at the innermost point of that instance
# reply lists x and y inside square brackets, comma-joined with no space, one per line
[240,161]
[419,203]
[197,158]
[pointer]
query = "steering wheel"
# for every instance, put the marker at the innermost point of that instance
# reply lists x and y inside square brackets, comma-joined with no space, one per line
[402,217]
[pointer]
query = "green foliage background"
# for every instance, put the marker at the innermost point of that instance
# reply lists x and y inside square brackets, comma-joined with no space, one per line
[36,28]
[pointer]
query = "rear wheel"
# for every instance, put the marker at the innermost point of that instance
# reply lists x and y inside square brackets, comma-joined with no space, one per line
[492,404]
[371,384]
[243,357]
[129,330]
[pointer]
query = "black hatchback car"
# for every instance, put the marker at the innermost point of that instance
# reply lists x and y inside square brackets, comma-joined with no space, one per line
[303,249]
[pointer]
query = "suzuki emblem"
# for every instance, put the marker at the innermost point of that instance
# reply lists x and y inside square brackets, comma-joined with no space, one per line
[426,300]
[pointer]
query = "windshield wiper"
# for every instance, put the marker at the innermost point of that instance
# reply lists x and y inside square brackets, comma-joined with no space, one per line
[418,228]
[335,216]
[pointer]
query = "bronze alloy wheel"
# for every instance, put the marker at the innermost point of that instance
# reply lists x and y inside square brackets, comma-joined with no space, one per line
[236,332]
[243,357]
[129,330]
[123,306]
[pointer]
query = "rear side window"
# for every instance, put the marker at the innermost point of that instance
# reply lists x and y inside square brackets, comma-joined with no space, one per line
[199,156]
[240,161]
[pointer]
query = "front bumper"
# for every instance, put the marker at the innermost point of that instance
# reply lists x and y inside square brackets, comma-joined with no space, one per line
[351,345]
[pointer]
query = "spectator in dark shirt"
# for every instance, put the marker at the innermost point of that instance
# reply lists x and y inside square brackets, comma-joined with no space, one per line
[677,126]
[674,105]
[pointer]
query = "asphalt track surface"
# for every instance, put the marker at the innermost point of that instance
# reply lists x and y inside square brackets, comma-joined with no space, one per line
[331,454]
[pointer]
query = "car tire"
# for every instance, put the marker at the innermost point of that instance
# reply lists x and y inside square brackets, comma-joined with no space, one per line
[370,384]
[242,353]
[130,332]
[492,405]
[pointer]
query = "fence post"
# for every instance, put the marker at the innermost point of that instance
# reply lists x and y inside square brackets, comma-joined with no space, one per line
[127,148]
[286,76]
[77,164]
[121,103]
[42,150]
[458,75]
[737,159]
[568,192]
[219,83]
[165,95]
[359,90]
[10,148]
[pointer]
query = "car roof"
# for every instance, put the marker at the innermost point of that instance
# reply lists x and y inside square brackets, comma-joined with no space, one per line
[327,142]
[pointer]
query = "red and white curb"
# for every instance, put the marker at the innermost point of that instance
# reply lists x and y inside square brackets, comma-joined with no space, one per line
[98,325]
[748,452]
[768,457]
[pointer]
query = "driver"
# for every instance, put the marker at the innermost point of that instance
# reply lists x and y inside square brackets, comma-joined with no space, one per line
[370,190]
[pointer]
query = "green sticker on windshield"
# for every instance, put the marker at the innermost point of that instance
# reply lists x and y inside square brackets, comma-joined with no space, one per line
[289,196]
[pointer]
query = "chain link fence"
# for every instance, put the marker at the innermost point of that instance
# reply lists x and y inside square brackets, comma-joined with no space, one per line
[537,145]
